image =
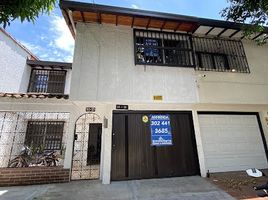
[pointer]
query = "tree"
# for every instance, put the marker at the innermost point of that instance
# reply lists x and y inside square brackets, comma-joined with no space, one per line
[23,9]
[254,12]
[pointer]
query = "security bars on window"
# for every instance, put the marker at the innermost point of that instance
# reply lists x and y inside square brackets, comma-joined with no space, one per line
[47,81]
[215,54]
[184,50]
[46,134]
[163,48]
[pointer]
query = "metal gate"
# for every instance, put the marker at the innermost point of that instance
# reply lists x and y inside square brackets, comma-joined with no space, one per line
[83,166]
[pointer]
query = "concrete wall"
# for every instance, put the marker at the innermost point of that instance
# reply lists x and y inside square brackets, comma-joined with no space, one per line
[14,72]
[104,70]
[241,88]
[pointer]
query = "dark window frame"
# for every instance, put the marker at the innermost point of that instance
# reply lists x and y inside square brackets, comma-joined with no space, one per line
[49,87]
[37,135]
[190,63]
[232,50]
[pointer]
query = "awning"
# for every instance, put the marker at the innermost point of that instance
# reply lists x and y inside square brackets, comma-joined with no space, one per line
[93,13]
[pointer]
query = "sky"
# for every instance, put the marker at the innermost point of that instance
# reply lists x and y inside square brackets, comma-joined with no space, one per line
[50,39]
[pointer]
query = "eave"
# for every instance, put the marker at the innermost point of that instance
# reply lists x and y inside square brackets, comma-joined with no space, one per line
[74,12]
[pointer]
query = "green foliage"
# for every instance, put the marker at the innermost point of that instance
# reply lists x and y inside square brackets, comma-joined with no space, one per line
[27,10]
[254,12]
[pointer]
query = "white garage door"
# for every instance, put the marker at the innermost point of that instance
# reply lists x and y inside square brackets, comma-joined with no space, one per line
[231,142]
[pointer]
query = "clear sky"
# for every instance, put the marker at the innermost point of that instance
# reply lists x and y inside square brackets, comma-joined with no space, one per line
[49,37]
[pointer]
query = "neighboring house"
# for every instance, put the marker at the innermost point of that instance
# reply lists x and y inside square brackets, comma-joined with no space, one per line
[152,95]
[31,94]
[132,67]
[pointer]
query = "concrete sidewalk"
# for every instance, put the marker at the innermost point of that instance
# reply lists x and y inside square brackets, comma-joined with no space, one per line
[186,188]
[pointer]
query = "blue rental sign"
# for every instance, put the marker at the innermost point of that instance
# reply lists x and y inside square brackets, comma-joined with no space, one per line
[160,130]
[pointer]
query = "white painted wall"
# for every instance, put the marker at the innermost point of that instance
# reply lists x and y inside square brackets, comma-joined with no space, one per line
[104,70]
[223,87]
[14,72]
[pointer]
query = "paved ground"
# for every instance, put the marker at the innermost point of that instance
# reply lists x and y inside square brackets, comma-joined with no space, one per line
[186,188]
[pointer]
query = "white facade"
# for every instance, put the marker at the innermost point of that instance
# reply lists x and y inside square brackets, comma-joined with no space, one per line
[104,74]
[104,70]
[14,71]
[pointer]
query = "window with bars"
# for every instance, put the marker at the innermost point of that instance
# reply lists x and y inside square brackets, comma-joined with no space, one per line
[47,81]
[217,54]
[185,50]
[163,48]
[46,134]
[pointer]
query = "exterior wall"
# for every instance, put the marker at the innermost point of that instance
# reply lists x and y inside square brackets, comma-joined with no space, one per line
[14,72]
[104,70]
[240,88]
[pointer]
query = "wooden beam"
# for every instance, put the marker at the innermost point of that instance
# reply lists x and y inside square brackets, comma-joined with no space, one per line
[116,20]
[132,23]
[163,25]
[234,33]
[148,23]
[195,27]
[83,17]
[209,30]
[257,36]
[99,17]
[222,32]
[178,26]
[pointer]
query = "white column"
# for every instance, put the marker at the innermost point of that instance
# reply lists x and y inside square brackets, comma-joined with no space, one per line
[199,144]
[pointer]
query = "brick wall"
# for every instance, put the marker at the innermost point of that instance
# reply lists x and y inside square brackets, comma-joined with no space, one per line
[33,175]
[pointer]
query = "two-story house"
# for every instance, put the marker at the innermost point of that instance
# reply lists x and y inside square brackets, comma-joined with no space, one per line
[169,95]
[151,95]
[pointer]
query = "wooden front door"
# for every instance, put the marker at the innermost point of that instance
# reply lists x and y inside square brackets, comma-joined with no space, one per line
[133,156]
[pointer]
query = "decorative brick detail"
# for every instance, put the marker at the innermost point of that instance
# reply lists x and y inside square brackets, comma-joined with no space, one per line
[33,175]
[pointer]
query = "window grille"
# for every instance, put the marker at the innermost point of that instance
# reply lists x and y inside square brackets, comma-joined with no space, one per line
[215,54]
[163,48]
[46,134]
[185,50]
[47,81]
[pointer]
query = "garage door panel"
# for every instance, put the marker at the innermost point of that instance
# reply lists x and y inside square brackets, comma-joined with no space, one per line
[231,142]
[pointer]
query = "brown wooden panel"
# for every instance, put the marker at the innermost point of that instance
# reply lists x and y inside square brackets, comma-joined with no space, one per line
[125,20]
[77,16]
[170,25]
[142,22]
[90,17]
[118,165]
[109,19]
[140,159]
[185,27]
[156,23]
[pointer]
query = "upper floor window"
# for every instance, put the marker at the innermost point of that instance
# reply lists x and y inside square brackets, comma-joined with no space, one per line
[184,50]
[47,81]
[214,54]
[159,48]
[45,134]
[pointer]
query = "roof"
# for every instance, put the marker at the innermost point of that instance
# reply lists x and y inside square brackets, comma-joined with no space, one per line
[34,95]
[49,64]
[74,12]
[33,57]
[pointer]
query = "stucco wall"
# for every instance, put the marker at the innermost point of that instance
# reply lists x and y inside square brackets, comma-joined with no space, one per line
[14,72]
[222,87]
[104,70]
